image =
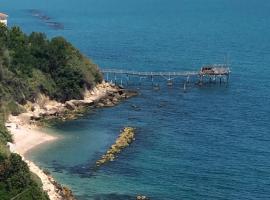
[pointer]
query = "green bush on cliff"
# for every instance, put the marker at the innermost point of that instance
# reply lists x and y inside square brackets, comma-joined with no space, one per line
[16,181]
[4,134]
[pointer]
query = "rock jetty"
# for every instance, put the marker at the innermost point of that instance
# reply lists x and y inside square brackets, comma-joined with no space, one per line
[126,137]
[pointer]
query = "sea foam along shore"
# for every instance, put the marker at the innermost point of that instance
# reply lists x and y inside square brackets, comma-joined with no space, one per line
[27,135]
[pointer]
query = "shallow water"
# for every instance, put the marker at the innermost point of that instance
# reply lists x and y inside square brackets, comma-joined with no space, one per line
[208,143]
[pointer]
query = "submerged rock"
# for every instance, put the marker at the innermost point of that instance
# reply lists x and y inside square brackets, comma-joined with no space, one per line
[125,138]
[141,197]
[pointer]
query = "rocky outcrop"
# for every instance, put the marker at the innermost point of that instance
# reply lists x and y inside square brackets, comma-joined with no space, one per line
[103,95]
[74,104]
[114,97]
[125,138]
[69,105]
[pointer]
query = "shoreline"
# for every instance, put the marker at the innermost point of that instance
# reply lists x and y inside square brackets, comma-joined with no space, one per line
[27,133]
[26,138]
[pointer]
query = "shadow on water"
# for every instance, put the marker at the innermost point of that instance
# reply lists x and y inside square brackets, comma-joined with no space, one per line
[112,196]
[82,170]
[46,19]
[122,164]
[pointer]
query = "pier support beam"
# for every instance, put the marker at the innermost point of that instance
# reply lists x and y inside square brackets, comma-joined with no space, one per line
[127,79]
[115,79]
[140,80]
[201,80]
[187,81]
[185,88]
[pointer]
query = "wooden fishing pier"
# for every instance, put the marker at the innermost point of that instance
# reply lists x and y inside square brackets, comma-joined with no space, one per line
[207,74]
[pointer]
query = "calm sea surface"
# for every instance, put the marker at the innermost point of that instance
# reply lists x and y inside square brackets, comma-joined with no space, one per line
[208,143]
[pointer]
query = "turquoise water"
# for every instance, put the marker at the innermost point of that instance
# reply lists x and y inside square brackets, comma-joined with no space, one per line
[208,143]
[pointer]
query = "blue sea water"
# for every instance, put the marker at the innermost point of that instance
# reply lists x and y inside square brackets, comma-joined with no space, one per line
[208,143]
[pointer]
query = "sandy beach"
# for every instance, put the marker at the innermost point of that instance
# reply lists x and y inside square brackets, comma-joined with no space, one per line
[27,137]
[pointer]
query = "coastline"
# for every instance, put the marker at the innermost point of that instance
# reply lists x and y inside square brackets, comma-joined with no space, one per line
[27,133]
[25,138]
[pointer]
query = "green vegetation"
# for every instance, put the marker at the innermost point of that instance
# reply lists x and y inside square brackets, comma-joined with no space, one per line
[17,181]
[33,64]
[29,65]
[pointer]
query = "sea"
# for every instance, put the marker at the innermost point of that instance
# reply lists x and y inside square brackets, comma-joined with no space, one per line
[209,142]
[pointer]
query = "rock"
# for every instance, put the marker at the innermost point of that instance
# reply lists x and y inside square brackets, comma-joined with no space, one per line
[67,193]
[134,106]
[117,95]
[88,102]
[125,138]
[120,92]
[77,103]
[110,94]
[69,105]
[129,93]
[52,112]
[100,105]
[141,197]
[82,103]
[120,86]
[115,100]
[108,103]
[35,117]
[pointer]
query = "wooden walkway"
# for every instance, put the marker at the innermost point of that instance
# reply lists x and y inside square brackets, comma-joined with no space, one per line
[209,72]
[138,73]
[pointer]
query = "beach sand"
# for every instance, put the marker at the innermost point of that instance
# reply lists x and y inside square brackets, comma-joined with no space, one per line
[27,137]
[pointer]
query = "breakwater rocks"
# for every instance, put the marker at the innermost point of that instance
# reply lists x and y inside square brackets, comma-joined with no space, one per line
[46,19]
[126,137]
